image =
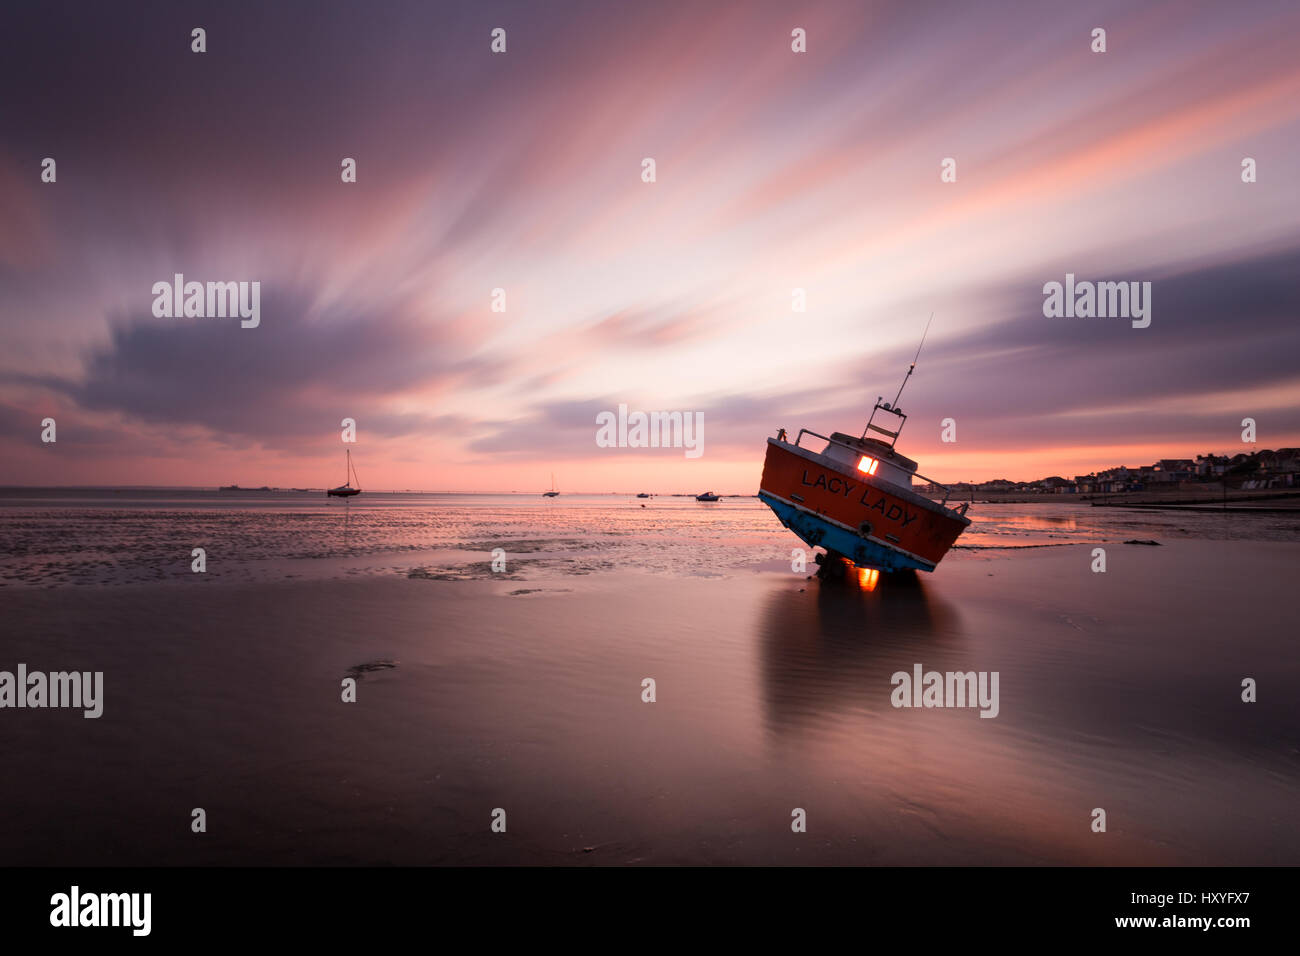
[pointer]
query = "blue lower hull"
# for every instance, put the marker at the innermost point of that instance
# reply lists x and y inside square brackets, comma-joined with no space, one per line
[819,533]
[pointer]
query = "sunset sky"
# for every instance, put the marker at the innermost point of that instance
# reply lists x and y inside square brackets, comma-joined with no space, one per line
[775,170]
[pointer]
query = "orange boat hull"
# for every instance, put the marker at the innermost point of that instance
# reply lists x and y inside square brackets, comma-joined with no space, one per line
[871,522]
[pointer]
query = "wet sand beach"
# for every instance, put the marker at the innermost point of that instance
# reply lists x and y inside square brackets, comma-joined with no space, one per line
[523,692]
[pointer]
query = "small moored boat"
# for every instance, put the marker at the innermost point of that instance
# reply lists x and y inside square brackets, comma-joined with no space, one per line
[553,493]
[346,490]
[707,496]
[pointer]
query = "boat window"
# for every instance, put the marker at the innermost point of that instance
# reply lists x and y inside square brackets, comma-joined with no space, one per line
[868,465]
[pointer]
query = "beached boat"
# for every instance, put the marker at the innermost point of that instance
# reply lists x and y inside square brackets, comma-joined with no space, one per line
[707,496]
[853,495]
[346,490]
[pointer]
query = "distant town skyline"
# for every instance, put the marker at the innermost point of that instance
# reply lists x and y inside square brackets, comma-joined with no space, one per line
[782,179]
[1281,465]
[1221,464]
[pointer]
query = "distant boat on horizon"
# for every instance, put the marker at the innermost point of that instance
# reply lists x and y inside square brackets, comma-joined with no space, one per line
[553,493]
[707,496]
[346,490]
[643,495]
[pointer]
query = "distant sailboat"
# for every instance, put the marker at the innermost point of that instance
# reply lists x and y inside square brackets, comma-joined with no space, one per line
[553,493]
[346,490]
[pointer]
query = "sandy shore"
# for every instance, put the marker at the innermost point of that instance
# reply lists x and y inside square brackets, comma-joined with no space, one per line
[1118,690]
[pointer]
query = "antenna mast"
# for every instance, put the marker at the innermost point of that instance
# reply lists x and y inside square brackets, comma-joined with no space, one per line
[892,408]
[911,367]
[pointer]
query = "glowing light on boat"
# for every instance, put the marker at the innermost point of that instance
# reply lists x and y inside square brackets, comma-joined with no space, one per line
[868,465]
[868,578]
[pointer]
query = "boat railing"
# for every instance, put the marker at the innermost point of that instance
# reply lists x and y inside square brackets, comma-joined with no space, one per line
[947,492]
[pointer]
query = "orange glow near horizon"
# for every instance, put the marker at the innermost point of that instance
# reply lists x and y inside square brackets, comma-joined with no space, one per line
[817,173]
[388,466]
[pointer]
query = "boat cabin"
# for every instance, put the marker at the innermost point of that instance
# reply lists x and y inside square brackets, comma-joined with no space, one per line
[871,457]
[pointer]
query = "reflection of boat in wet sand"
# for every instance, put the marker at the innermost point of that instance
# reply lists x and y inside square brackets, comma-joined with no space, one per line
[814,663]
[707,496]
[346,490]
[553,493]
[854,497]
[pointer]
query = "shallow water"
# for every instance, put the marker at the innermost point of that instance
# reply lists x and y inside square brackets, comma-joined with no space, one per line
[97,538]
[522,688]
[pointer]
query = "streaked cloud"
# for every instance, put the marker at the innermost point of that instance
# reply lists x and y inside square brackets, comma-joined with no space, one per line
[776,171]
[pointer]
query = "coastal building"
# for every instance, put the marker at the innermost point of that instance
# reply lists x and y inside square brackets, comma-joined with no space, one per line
[1211,465]
[1057,485]
[998,484]
[1168,470]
